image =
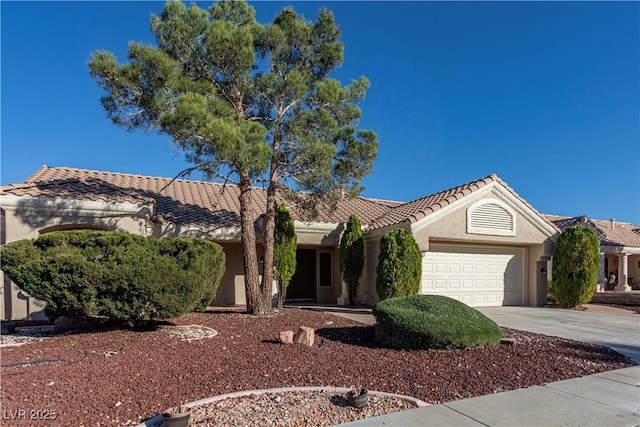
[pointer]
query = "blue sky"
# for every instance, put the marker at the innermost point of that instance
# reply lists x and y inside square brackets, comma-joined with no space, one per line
[544,94]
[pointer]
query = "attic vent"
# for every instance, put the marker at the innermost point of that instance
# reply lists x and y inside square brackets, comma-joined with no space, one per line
[491,218]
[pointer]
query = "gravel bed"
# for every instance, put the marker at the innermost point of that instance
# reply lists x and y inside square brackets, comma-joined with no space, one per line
[25,335]
[123,377]
[285,408]
[299,408]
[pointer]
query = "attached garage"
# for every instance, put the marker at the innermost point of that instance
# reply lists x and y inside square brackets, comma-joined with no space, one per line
[476,275]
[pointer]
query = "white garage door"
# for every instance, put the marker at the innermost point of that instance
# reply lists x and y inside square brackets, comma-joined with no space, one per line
[474,275]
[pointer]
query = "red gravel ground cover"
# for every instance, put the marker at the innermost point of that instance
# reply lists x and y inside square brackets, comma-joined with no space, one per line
[123,377]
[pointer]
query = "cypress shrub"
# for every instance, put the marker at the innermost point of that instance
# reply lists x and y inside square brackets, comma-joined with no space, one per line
[432,321]
[399,265]
[576,261]
[129,279]
[352,256]
[284,251]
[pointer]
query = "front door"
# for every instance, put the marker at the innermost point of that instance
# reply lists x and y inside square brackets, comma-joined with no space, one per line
[303,282]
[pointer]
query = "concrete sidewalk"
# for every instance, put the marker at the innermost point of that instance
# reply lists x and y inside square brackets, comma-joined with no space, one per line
[608,399]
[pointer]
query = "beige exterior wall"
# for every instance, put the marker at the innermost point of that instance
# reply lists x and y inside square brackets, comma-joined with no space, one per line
[231,287]
[453,226]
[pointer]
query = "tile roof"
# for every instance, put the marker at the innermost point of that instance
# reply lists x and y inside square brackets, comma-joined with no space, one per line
[420,208]
[216,205]
[75,188]
[616,234]
[177,201]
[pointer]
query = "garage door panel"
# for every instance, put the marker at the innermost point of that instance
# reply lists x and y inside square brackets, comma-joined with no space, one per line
[476,276]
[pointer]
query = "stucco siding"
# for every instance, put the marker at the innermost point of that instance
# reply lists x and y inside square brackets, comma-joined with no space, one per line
[228,294]
[453,226]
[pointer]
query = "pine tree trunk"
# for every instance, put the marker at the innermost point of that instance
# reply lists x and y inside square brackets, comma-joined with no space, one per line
[255,305]
[268,243]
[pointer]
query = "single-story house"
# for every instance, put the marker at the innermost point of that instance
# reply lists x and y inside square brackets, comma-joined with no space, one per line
[481,242]
[619,250]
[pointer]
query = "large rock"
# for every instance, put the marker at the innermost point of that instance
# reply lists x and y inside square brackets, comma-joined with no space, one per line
[305,336]
[286,337]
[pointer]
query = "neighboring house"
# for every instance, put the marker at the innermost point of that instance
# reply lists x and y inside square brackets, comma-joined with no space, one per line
[481,242]
[619,249]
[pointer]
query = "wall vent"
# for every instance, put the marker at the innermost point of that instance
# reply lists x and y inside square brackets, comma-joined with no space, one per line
[491,217]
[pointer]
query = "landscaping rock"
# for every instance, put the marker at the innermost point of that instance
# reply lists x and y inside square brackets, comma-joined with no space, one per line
[305,336]
[508,341]
[286,337]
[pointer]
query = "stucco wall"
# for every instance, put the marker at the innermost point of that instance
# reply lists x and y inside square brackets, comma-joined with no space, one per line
[234,269]
[453,226]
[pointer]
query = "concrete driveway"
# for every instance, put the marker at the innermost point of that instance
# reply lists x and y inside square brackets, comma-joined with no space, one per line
[619,332]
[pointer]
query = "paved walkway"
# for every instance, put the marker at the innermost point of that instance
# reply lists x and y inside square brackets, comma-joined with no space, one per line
[605,399]
[609,399]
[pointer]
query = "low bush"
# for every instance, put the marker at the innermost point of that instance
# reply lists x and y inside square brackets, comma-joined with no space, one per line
[432,321]
[128,279]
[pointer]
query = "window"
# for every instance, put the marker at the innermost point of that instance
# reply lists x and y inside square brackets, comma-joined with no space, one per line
[325,269]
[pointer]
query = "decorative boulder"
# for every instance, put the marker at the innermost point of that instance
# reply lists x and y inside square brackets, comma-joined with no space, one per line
[305,336]
[286,337]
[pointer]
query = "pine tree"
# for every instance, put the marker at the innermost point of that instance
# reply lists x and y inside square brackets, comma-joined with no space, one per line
[248,103]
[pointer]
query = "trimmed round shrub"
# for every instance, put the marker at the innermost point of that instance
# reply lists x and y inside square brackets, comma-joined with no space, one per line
[576,261]
[126,278]
[420,322]
[399,265]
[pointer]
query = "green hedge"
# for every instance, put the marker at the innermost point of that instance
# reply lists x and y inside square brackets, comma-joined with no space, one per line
[431,321]
[126,278]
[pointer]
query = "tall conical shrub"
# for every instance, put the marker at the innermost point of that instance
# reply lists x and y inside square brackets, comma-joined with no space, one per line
[352,256]
[576,261]
[399,265]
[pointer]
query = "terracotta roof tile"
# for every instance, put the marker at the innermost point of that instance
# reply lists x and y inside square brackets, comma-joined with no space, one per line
[216,205]
[616,234]
[179,201]
[420,208]
[74,188]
